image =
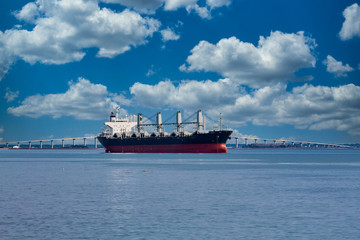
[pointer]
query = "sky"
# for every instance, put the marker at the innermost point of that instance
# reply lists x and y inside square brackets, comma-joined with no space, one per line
[273,69]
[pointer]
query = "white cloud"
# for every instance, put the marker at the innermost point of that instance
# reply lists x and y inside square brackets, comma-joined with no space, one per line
[337,67]
[275,59]
[218,3]
[6,59]
[312,107]
[120,99]
[10,95]
[149,7]
[151,71]
[351,25]
[305,107]
[29,13]
[176,4]
[83,100]
[203,12]
[168,34]
[143,6]
[188,94]
[64,28]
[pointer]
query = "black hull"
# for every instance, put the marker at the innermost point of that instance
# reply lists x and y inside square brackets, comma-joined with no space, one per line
[211,142]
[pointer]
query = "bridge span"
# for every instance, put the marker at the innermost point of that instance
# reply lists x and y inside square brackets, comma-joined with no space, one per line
[51,143]
[264,142]
[70,142]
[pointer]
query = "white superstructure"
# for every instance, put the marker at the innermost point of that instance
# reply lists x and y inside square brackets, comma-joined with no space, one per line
[120,125]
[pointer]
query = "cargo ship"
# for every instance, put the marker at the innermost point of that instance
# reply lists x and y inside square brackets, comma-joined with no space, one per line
[128,135]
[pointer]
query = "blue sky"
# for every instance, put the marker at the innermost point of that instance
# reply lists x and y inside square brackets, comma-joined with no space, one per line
[274,69]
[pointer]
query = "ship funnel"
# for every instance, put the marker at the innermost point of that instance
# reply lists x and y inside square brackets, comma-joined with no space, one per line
[200,124]
[179,121]
[112,117]
[159,122]
[139,122]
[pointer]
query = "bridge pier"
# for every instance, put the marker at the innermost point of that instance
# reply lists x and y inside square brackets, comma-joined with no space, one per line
[28,144]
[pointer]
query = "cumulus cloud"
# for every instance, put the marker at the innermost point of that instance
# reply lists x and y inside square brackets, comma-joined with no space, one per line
[305,107]
[188,94]
[311,107]
[176,4]
[143,6]
[337,67]
[29,13]
[150,7]
[168,35]
[83,100]
[205,11]
[218,3]
[351,25]
[10,95]
[64,28]
[275,59]
[6,59]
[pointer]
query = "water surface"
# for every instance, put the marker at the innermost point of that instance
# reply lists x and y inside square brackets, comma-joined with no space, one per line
[244,194]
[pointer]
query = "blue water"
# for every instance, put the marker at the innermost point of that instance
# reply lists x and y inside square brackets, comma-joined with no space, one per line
[244,194]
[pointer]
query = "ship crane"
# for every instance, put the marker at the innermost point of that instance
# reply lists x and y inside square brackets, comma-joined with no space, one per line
[200,122]
[122,138]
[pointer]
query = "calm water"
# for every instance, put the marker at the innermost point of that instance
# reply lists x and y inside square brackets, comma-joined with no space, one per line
[245,194]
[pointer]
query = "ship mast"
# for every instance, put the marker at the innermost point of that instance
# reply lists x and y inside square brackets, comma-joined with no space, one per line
[117,109]
[220,121]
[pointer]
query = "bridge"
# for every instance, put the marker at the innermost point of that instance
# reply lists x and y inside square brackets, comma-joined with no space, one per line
[264,142]
[249,142]
[31,143]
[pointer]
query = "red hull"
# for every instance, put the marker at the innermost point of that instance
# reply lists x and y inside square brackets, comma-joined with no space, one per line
[171,148]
